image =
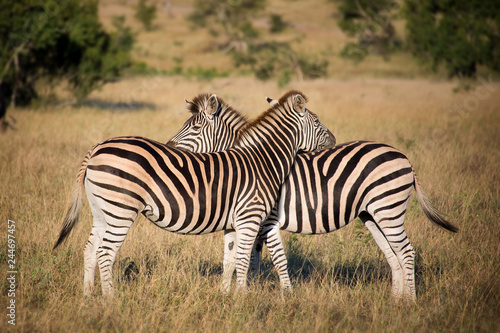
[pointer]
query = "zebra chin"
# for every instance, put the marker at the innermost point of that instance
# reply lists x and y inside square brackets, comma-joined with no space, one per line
[329,143]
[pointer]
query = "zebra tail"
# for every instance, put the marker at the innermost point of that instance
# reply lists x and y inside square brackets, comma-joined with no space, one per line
[76,203]
[429,210]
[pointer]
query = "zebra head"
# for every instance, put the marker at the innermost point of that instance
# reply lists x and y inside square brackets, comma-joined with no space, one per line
[324,142]
[213,126]
[315,134]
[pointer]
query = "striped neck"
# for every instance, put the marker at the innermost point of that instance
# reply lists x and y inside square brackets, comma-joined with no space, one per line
[228,126]
[273,136]
[276,123]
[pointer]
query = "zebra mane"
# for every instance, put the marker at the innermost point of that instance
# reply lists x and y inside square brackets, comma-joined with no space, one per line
[264,115]
[288,94]
[199,103]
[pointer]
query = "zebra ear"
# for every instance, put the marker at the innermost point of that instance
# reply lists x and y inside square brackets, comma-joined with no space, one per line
[190,106]
[272,102]
[213,106]
[299,104]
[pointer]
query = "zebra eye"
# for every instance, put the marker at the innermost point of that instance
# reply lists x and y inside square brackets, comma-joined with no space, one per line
[196,127]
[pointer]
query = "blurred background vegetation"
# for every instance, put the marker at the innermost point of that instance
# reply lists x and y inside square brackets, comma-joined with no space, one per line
[84,44]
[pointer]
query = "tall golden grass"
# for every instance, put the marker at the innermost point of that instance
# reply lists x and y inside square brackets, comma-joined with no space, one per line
[341,280]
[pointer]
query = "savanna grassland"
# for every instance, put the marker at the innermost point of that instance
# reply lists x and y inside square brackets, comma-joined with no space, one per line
[169,282]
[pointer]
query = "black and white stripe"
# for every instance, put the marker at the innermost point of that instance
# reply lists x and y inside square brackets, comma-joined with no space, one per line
[218,124]
[190,193]
[329,188]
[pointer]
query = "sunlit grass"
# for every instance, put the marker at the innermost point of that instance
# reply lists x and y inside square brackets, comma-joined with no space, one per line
[169,282]
[341,281]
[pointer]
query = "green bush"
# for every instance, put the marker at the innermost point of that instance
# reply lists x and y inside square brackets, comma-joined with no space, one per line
[370,23]
[58,40]
[279,60]
[232,17]
[276,23]
[145,14]
[462,34]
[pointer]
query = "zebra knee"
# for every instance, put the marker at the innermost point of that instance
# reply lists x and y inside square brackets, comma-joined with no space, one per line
[105,259]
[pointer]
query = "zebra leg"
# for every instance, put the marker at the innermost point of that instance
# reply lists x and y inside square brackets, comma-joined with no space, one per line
[390,235]
[246,233]
[256,256]
[90,262]
[229,263]
[90,249]
[390,255]
[401,245]
[274,244]
[114,236]
[406,256]
[392,226]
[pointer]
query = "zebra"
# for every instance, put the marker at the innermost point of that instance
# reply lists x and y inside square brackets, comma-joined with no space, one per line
[190,193]
[326,190]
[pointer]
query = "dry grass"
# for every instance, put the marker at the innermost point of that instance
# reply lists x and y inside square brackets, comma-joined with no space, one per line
[341,280]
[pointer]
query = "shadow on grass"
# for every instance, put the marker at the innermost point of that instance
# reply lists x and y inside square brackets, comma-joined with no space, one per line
[117,106]
[207,268]
[129,269]
[302,269]
[426,270]
[347,273]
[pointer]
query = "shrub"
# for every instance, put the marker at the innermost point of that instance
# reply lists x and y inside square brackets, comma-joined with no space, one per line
[58,40]
[461,34]
[145,14]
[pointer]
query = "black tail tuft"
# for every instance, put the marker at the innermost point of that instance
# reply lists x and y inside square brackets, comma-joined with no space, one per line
[430,211]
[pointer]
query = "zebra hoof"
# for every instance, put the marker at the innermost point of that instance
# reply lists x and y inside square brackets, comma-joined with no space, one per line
[224,290]
[242,290]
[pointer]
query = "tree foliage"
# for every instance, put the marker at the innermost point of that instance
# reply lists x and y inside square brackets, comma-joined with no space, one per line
[370,22]
[233,17]
[266,58]
[58,40]
[462,34]
[145,14]
[277,24]
[279,60]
